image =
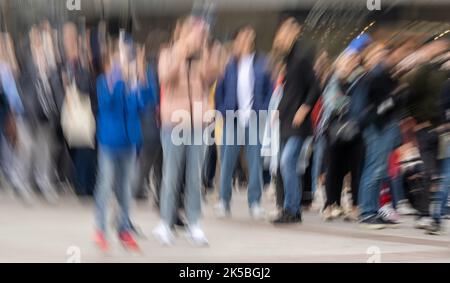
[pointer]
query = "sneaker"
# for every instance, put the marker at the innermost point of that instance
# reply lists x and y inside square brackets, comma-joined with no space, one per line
[390,223]
[373,222]
[256,211]
[287,218]
[100,241]
[270,193]
[326,213]
[163,234]
[336,211]
[404,208]
[222,210]
[128,241]
[434,228]
[388,215]
[318,199]
[274,214]
[196,236]
[351,214]
[422,222]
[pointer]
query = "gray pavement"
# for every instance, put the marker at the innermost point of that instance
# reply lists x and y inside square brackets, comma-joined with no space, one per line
[45,233]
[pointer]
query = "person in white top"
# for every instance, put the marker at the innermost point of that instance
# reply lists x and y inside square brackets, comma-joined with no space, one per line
[243,92]
[246,80]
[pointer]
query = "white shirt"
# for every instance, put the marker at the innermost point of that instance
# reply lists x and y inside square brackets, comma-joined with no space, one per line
[245,85]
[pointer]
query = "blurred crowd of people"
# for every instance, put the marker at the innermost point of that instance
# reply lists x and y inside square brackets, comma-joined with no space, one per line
[363,135]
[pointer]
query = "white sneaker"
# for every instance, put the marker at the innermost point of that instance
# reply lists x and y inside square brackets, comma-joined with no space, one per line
[422,223]
[404,208]
[196,236]
[336,211]
[326,213]
[274,214]
[221,210]
[352,214]
[388,213]
[318,200]
[270,192]
[256,211]
[163,234]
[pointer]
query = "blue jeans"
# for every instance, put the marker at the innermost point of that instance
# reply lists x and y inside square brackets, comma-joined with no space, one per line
[319,150]
[230,154]
[288,168]
[181,161]
[379,144]
[115,172]
[440,198]
[397,189]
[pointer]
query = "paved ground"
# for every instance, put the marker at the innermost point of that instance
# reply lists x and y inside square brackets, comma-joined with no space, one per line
[43,233]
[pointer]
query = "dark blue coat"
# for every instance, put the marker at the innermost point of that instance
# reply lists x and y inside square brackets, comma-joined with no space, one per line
[226,91]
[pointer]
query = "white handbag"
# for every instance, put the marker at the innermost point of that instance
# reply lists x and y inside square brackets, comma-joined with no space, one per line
[77,120]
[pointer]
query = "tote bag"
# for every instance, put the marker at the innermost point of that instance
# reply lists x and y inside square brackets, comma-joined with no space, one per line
[77,120]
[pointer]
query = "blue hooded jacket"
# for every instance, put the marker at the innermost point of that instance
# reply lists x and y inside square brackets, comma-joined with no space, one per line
[118,120]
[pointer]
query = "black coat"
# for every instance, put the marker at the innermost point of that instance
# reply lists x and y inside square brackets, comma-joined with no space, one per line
[301,87]
[29,94]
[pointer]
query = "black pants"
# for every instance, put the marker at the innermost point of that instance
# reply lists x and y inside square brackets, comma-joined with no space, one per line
[150,157]
[428,146]
[209,167]
[416,186]
[279,190]
[428,142]
[343,158]
[85,163]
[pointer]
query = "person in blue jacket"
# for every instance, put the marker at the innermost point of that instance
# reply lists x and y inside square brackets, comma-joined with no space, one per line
[246,88]
[123,93]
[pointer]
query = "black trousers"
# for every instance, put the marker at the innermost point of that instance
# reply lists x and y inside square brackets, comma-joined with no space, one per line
[85,163]
[209,167]
[342,159]
[423,190]
[428,142]
[150,157]
[416,185]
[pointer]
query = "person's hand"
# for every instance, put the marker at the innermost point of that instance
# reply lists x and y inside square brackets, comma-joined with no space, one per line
[125,71]
[300,115]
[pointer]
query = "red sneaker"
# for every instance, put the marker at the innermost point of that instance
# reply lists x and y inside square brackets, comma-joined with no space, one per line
[128,241]
[100,241]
